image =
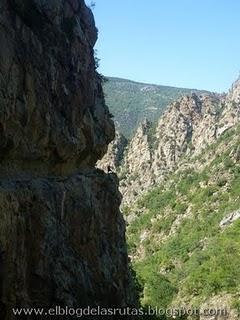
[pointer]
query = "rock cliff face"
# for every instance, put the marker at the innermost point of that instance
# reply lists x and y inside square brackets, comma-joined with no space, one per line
[52,109]
[231,112]
[187,127]
[135,173]
[62,234]
[115,153]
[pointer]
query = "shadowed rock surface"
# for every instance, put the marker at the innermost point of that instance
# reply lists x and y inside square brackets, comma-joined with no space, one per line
[115,154]
[53,116]
[62,236]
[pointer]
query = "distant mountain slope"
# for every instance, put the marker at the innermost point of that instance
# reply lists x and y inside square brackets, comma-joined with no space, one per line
[130,102]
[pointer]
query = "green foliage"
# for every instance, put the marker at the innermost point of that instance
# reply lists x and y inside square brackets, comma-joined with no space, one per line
[159,198]
[137,285]
[180,208]
[159,291]
[236,305]
[186,180]
[197,259]
[218,267]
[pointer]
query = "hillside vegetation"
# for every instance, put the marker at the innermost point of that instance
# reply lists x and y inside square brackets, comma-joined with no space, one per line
[183,240]
[130,102]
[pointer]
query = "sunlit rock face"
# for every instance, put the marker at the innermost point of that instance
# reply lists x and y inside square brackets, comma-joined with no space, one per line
[187,127]
[62,236]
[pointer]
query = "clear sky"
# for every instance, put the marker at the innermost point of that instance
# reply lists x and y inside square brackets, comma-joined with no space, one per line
[184,43]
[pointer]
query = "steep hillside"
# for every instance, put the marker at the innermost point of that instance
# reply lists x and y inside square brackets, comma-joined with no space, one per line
[62,236]
[180,181]
[184,235]
[130,102]
[187,126]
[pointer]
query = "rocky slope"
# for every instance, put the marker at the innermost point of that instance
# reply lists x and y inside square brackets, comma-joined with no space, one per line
[188,126]
[62,234]
[183,230]
[183,234]
[113,158]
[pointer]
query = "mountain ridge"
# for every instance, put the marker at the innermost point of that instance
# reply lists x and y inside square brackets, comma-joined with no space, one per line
[131,101]
[157,85]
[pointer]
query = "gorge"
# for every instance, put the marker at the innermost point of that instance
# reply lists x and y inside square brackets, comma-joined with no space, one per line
[180,182]
[146,215]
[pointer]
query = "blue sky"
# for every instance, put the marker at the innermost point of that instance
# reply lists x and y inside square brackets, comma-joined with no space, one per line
[184,43]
